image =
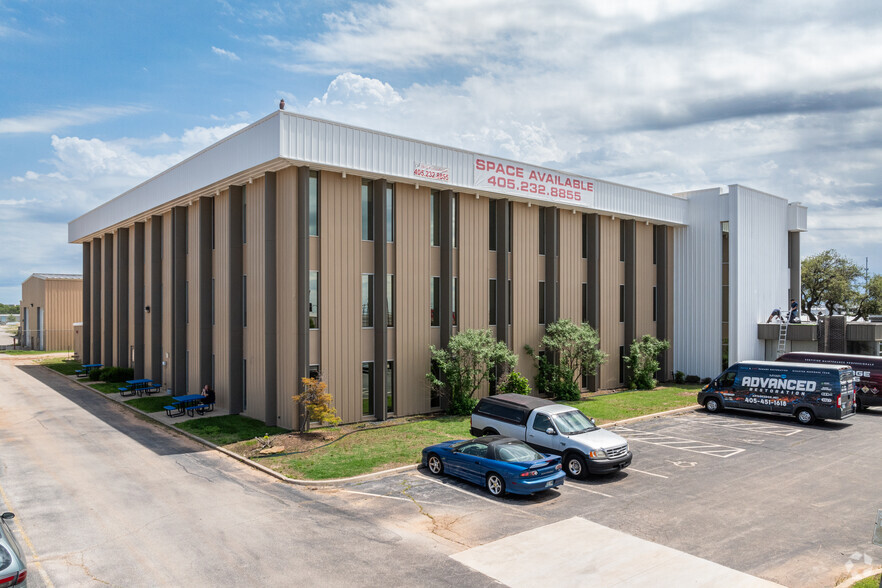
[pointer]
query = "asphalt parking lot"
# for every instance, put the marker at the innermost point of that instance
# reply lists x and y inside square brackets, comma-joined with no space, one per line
[757,493]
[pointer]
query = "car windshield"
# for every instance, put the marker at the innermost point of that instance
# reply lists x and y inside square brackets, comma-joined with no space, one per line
[517,452]
[572,422]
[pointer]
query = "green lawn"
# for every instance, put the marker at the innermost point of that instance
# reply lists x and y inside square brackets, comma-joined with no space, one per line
[29,352]
[151,403]
[871,582]
[223,430]
[106,387]
[61,365]
[370,449]
[624,405]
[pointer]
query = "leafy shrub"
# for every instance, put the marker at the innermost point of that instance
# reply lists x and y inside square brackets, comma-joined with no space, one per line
[113,374]
[515,384]
[316,401]
[555,380]
[692,379]
[705,381]
[643,361]
[679,377]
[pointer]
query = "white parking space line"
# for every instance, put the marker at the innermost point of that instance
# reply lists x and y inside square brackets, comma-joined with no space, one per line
[484,498]
[647,473]
[738,425]
[576,487]
[681,443]
[394,498]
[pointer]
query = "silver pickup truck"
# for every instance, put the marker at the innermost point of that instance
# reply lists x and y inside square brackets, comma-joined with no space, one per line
[553,428]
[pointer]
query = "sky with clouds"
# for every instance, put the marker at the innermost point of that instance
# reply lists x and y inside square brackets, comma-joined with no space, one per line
[669,95]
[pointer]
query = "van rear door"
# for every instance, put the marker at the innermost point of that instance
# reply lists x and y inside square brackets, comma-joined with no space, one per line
[846,398]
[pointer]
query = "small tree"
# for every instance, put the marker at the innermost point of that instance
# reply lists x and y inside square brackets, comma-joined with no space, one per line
[315,401]
[471,358]
[576,348]
[643,362]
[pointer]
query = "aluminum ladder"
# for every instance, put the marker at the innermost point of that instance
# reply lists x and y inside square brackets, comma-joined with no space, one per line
[782,337]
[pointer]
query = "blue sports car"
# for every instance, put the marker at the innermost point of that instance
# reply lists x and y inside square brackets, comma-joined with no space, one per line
[502,464]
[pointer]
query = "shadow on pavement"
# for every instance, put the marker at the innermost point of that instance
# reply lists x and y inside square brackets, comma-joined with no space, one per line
[142,430]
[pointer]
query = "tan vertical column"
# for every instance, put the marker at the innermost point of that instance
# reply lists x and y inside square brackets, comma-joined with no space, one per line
[271,416]
[96,300]
[87,304]
[137,237]
[204,271]
[123,357]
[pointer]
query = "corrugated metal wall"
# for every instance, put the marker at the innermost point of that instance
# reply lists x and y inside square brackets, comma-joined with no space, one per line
[288,300]
[572,266]
[340,291]
[525,278]
[254,261]
[474,264]
[612,274]
[221,272]
[646,278]
[64,306]
[412,319]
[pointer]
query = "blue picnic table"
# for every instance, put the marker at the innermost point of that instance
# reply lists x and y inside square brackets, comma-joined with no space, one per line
[190,403]
[139,387]
[87,367]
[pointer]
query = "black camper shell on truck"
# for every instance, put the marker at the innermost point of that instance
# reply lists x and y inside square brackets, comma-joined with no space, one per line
[867,372]
[805,391]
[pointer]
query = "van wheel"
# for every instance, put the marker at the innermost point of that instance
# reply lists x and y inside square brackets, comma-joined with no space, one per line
[805,416]
[574,466]
[858,405]
[712,404]
[489,432]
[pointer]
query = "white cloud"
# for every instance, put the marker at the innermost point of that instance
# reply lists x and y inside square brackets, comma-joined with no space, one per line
[354,91]
[224,53]
[55,120]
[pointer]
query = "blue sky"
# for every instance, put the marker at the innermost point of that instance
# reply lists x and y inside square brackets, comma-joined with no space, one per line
[782,96]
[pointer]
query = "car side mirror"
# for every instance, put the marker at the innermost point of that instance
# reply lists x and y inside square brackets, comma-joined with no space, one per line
[550,431]
[593,422]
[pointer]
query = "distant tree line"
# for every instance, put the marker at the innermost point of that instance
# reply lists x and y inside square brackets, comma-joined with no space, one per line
[839,285]
[9,308]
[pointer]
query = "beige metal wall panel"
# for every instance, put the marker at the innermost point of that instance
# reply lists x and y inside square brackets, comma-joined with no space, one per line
[413,333]
[288,300]
[670,298]
[474,262]
[221,272]
[646,278]
[167,318]
[525,278]
[148,285]
[254,262]
[367,257]
[572,266]
[611,275]
[193,323]
[315,251]
[63,307]
[340,291]
[115,302]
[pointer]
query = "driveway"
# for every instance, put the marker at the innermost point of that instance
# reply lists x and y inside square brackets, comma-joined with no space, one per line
[104,498]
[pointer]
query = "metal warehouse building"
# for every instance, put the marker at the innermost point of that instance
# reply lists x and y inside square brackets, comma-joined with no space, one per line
[299,245]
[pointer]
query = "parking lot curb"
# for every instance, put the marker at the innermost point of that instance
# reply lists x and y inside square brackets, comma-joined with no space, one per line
[336,481]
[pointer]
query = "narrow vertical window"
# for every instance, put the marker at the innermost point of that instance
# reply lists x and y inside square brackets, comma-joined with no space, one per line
[434,395]
[654,302]
[453,300]
[367,388]
[454,203]
[492,227]
[390,213]
[621,240]
[313,300]
[367,210]
[390,387]
[211,208]
[390,300]
[492,291]
[313,204]
[435,218]
[621,303]
[510,207]
[541,303]
[654,245]
[584,302]
[435,300]
[542,213]
[584,236]
[315,371]
[244,301]
[367,300]
[244,213]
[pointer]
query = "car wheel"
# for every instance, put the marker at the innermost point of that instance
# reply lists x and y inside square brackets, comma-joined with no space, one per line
[490,432]
[574,466]
[495,484]
[436,466]
[712,404]
[805,416]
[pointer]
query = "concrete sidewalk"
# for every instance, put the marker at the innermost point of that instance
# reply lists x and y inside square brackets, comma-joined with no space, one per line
[576,552]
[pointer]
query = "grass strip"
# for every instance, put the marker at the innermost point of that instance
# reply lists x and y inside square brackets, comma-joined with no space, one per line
[151,403]
[227,429]
[107,387]
[605,408]
[871,582]
[63,366]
